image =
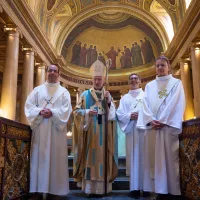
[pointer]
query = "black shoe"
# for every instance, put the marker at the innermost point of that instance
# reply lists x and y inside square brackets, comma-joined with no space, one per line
[146,194]
[134,194]
[36,196]
[53,197]
[99,195]
[176,197]
[95,195]
[163,197]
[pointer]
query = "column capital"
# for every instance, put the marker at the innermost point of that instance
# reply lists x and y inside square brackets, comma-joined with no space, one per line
[195,44]
[27,49]
[40,65]
[12,29]
[184,60]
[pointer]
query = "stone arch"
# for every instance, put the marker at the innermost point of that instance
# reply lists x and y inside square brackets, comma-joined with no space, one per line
[144,16]
[162,15]
[57,20]
[171,10]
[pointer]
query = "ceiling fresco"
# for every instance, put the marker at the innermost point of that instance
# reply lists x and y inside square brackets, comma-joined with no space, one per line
[128,44]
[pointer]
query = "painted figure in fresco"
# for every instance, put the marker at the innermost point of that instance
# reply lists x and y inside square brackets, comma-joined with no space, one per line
[149,49]
[127,53]
[161,117]
[123,60]
[144,51]
[138,55]
[133,54]
[75,52]
[89,133]
[83,55]
[112,54]
[78,53]
[48,108]
[89,60]
[101,58]
[94,55]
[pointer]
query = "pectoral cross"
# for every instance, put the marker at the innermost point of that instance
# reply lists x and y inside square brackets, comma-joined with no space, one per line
[138,101]
[49,101]
[162,93]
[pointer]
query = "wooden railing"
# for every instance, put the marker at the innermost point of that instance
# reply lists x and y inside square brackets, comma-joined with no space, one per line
[190,159]
[15,141]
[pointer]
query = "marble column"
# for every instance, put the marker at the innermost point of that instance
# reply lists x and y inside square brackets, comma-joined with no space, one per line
[195,59]
[10,72]
[186,77]
[40,74]
[27,80]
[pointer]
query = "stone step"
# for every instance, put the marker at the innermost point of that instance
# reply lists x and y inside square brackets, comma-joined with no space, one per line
[121,161]
[120,183]
[70,161]
[121,172]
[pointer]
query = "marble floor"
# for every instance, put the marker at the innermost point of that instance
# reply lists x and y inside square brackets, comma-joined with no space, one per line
[118,195]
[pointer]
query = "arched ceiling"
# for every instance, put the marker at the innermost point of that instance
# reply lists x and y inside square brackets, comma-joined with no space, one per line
[65,22]
[59,17]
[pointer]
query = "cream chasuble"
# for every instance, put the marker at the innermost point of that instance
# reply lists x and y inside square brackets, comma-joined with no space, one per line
[130,103]
[164,101]
[88,146]
[49,163]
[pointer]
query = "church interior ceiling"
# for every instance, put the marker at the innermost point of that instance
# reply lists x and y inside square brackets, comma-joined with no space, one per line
[113,29]
[85,24]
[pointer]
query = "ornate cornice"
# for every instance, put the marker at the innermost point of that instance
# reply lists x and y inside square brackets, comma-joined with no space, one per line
[112,85]
[187,32]
[20,13]
[119,74]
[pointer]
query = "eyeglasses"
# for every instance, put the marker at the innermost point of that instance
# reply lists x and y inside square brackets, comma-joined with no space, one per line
[134,78]
[52,70]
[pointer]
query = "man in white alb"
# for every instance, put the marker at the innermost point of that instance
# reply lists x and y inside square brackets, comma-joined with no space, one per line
[161,116]
[48,108]
[127,115]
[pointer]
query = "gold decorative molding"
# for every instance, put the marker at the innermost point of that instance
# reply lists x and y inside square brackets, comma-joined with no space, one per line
[119,74]
[185,59]
[27,49]
[187,32]
[196,43]
[11,28]
[20,13]
[114,83]
[40,64]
